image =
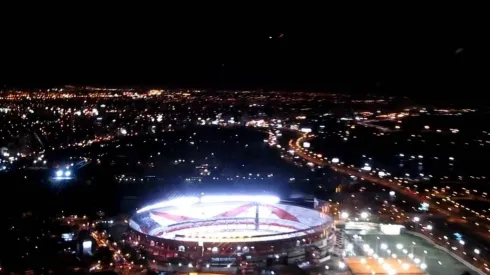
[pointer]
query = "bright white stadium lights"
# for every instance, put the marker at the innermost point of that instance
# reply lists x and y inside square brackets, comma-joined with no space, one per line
[185,201]
[175,202]
[240,198]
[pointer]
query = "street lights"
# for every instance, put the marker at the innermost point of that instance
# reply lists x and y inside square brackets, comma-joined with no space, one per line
[477,251]
[364,215]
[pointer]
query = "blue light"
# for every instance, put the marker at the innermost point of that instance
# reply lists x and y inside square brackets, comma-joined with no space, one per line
[67,173]
[458,236]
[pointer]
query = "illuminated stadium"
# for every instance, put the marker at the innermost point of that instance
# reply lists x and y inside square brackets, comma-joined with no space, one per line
[224,230]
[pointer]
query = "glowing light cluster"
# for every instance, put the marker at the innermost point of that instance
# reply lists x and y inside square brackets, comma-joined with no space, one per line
[183,201]
[61,174]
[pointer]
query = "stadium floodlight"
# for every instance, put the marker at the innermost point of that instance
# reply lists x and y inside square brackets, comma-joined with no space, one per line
[266,199]
[59,173]
[185,201]
[175,202]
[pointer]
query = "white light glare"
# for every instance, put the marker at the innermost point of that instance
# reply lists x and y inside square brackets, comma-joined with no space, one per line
[67,173]
[423,266]
[175,202]
[399,246]
[59,173]
[87,244]
[366,168]
[260,199]
[266,199]
[364,215]
[429,227]
[344,215]
[416,219]
[384,246]
[341,265]
[477,251]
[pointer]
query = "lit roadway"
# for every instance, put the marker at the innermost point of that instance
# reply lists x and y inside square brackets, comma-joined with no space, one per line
[388,183]
[118,258]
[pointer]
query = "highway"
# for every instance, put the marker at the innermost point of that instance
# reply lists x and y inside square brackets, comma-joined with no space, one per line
[319,160]
[388,183]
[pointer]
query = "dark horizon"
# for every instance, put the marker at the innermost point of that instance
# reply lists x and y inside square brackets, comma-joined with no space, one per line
[392,56]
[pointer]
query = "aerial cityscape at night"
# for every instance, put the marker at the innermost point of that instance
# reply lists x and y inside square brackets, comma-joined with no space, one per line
[213,144]
[179,180]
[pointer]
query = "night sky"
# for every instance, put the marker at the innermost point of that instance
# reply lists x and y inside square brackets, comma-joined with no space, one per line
[360,53]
